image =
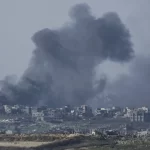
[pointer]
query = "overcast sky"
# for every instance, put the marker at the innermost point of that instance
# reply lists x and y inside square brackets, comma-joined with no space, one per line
[20,19]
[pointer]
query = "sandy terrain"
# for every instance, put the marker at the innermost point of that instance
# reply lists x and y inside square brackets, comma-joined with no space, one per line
[22,144]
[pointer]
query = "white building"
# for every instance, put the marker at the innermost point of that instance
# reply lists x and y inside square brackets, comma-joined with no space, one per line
[9,132]
[38,115]
[7,109]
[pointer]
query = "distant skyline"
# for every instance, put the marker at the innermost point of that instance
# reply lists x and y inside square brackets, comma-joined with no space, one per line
[20,19]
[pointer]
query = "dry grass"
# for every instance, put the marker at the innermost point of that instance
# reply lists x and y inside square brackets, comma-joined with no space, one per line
[22,144]
[38,140]
[32,137]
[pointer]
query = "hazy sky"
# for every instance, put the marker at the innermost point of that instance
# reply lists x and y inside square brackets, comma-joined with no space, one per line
[20,19]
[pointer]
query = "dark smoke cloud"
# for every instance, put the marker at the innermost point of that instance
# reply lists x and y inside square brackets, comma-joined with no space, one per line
[132,89]
[61,70]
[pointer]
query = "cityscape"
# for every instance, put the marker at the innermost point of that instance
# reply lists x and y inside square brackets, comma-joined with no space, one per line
[74,75]
[68,119]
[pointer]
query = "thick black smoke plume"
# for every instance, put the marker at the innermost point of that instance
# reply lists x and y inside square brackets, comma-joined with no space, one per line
[61,70]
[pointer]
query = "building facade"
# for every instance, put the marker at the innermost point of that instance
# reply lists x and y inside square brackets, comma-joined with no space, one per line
[140,116]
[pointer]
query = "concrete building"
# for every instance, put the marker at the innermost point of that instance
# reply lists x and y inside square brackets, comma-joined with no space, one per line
[127,112]
[52,114]
[38,116]
[9,132]
[140,116]
[7,109]
[33,110]
[100,111]
[27,110]
[86,111]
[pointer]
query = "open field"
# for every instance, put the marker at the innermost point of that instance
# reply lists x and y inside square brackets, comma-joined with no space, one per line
[66,142]
[22,144]
[32,137]
[72,142]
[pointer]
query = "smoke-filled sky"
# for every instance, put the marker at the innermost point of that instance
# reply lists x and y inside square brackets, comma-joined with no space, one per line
[21,21]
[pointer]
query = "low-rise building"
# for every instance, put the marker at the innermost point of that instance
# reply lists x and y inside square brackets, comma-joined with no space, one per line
[38,116]
[7,109]
[52,114]
[27,110]
[86,111]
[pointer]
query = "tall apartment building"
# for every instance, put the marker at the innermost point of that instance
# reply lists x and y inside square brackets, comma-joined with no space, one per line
[140,116]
